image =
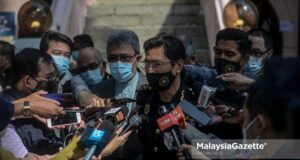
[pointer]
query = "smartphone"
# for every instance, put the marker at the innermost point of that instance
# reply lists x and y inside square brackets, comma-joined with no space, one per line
[193,112]
[122,101]
[68,119]
[66,100]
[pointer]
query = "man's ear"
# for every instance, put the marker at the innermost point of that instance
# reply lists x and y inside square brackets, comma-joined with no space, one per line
[179,66]
[27,81]
[244,60]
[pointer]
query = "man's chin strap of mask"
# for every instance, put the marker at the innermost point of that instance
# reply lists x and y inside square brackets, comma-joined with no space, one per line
[246,153]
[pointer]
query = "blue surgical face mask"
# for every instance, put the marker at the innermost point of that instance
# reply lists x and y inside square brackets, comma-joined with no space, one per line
[92,77]
[61,63]
[253,67]
[121,71]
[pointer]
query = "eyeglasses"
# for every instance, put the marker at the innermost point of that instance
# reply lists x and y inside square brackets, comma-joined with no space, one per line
[156,65]
[258,53]
[120,57]
[51,77]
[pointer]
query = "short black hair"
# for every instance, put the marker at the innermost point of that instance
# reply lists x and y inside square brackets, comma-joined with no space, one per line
[49,36]
[173,47]
[261,33]
[27,63]
[122,37]
[82,41]
[237,35]
[6,49]
[272,94]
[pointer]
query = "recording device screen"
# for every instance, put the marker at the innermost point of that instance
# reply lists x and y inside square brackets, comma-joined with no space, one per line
[69,118]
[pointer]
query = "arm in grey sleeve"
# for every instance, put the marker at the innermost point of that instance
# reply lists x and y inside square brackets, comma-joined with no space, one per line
[78,85]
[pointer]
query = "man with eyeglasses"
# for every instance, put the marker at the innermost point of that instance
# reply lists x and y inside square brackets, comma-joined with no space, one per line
[34,71]
[164,66]
[123,56]
[261,51]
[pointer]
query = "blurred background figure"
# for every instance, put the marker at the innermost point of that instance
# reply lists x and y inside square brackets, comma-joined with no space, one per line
[7,55]
[189,48]
[80,42]
[261,51]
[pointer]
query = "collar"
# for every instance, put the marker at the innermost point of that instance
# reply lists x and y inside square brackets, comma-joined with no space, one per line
[16,94]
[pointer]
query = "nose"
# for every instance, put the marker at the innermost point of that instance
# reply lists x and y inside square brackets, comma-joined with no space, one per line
[222,55]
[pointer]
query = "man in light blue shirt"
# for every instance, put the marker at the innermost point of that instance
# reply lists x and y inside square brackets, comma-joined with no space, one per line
[123,56]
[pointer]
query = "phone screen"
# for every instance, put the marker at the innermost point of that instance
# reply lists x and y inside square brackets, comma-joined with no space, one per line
[193,112]
[69,118]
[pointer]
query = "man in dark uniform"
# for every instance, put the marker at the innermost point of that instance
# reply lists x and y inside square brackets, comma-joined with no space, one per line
[164,65]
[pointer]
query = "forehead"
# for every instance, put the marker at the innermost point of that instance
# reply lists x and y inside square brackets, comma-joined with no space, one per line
[257,42]
[122,49]
[156,54]
[227,45]
[45,68]
[59,46]
[88,56]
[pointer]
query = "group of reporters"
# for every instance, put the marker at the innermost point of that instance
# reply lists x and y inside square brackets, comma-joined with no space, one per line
[254,93]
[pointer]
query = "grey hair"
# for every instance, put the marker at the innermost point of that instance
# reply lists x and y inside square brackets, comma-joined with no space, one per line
[123,37]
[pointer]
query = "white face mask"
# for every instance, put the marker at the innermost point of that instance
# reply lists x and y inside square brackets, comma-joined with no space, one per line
[244,130]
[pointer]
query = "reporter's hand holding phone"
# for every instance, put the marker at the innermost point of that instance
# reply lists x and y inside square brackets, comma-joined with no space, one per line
[41,106]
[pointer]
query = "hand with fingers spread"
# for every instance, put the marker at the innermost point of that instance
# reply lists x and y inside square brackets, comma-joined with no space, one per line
[236,81]
[118,141]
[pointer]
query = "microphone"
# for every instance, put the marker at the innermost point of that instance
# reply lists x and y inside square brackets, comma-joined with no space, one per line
[133,122]
[116,115]
[205,93]
[170,122]
[97,138]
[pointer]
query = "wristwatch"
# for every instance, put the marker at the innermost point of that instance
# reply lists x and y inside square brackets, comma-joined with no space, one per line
[26,109]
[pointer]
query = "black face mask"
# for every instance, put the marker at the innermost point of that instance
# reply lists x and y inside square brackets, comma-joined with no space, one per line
[51,87]
[224,66]
[160,81]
